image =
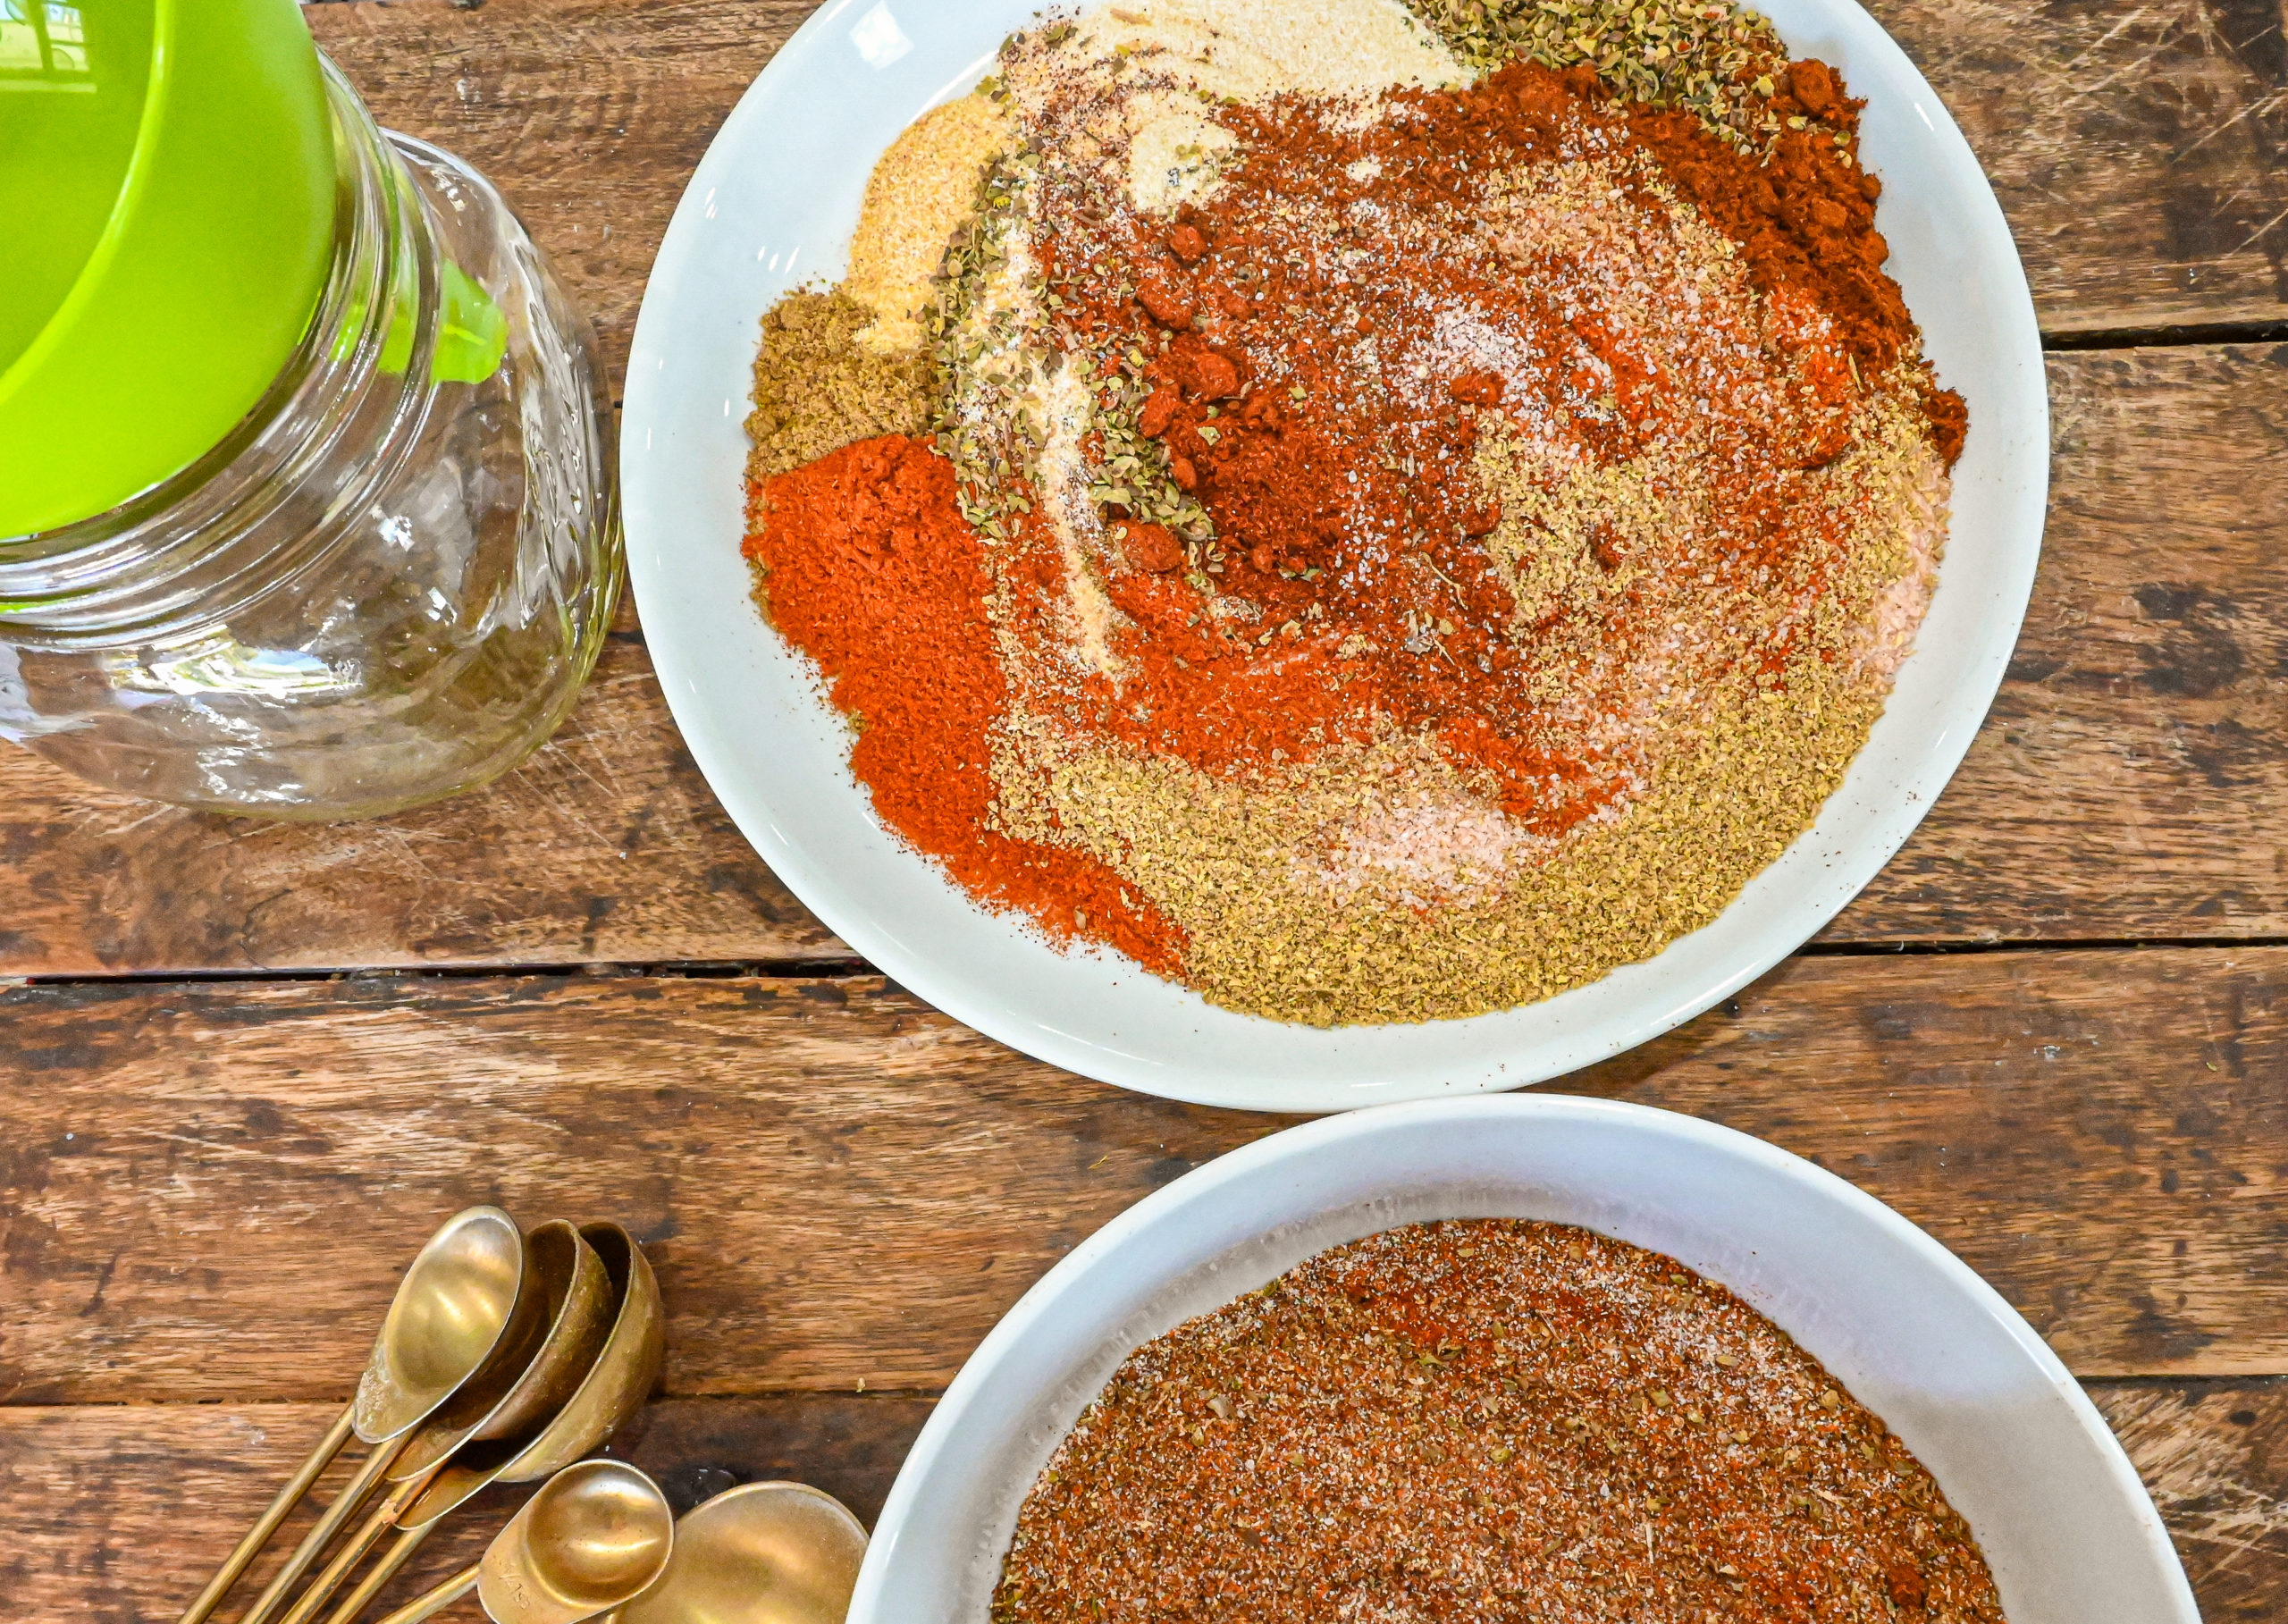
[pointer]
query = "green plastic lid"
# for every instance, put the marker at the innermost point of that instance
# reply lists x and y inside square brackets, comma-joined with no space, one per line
[167,175]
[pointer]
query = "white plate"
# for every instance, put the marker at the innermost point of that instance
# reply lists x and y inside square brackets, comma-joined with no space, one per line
[774,203]
[1917,1337]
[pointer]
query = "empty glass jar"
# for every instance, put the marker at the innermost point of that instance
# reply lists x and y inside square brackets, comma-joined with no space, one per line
[389,582]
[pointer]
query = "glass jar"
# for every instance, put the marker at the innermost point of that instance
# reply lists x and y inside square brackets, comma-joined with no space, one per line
[389,582]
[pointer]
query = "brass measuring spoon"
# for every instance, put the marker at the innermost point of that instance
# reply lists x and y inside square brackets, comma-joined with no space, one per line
[596,1535]
[451,1310]
[528,1320]
[611,1390]
[765,1554]
[534,1374]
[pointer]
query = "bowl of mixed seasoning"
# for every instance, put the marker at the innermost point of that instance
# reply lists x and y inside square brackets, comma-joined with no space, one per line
[1308,552]
[1515,1358]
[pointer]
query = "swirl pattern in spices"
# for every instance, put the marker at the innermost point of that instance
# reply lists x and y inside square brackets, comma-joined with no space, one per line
[1446,510]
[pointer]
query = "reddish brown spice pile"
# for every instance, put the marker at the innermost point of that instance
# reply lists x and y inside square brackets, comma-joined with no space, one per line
[1806,217]
[1485,1420]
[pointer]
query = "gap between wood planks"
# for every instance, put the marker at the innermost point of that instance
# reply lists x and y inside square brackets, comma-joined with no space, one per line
[846,967]
[2185,337]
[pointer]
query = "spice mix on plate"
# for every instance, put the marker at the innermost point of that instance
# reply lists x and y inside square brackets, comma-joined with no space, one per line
[1486,1420]
[1413,510]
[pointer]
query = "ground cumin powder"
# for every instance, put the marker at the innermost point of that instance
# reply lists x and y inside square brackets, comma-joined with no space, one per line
[816,390]
[1488,1420]
[848,364]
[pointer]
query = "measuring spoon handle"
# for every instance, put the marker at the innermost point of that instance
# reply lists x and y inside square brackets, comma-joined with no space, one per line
[390,1507]
[380,1574]
[435,1601]
[346,1505]
[278,1511]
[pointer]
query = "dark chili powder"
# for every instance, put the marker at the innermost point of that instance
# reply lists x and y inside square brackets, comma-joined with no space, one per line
[1806,216]
[868,567]
[1486,1420]
[1349,514]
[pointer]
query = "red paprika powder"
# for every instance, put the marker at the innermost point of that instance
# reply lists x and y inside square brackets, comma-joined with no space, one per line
[867,567]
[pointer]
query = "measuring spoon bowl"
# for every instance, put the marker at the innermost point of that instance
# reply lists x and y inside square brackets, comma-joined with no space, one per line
[561,1322]
[616,1383]
[764,1554]
[451,1313]
[598,1533]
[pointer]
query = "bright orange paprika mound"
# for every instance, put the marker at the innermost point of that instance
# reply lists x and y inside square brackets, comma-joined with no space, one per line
[871,570]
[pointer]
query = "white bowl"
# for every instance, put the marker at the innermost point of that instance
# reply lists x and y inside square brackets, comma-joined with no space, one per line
[1914,1335]
[774,203]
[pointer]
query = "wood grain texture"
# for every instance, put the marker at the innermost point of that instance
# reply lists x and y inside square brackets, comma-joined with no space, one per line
[2131,781]
[115,1514]
[2140,151]
[2131,784]
[206,1190]
[112,1510]
[2215,1458]
[605,845]
[2137,149]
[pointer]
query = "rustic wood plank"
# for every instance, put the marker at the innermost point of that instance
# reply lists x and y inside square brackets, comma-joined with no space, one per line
[2215,1458]
[113,1509]
[205,1191]
[116,1513]
[2137,148]
[2130,784]
[2132,779]
[606,845]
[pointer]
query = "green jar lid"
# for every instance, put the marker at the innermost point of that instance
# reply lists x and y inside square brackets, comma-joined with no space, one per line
[167,172]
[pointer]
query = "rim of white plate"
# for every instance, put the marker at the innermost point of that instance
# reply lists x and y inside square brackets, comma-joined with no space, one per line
[1253,1165]
[796,149]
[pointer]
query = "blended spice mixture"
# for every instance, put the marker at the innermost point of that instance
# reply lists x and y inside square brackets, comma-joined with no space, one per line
[1441,497]
[1489,1421]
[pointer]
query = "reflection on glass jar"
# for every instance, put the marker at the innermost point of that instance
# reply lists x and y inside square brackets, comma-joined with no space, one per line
[388,585]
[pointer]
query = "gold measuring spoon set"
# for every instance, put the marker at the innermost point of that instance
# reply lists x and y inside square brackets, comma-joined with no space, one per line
[506,1355]
[597,1543]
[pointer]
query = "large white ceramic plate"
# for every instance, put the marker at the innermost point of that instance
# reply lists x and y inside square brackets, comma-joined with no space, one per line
[1917,1337]
[773,204]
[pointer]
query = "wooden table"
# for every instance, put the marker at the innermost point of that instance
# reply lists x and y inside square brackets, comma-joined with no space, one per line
[245,1068]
